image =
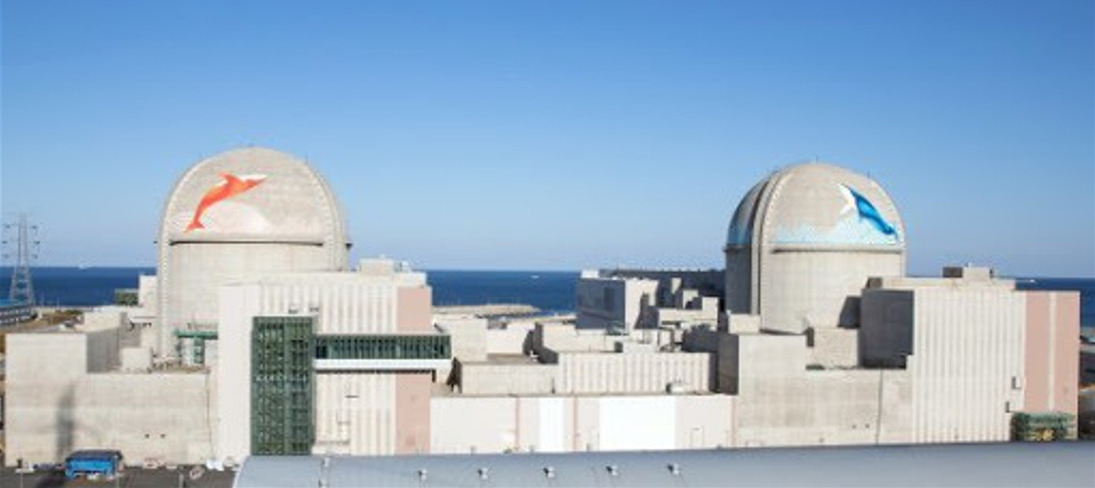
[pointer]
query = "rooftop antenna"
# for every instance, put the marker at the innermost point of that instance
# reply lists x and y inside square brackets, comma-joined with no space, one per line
[20,244]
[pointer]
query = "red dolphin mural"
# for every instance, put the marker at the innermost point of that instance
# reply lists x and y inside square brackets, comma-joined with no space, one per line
[230,187]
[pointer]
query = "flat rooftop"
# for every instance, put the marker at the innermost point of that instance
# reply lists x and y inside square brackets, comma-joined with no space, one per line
[516,359]
[487,310]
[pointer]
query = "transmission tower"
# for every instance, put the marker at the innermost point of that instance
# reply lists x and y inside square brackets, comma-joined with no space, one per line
[20,249]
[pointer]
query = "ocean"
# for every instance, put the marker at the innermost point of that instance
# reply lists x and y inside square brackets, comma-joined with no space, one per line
[550,291]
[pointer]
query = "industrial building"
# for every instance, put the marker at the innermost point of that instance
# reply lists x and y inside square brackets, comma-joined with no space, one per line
[13,312]
[824,340]
[256,337]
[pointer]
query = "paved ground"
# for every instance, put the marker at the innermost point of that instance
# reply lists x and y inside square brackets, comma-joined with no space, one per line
[132,478]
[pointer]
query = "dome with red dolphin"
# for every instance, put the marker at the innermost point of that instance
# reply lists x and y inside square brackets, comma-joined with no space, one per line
[238,215]
[252,194]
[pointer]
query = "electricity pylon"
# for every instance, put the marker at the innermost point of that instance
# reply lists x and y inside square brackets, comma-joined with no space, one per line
[21,249]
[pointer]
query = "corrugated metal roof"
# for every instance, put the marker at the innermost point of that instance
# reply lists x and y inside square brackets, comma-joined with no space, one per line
[998,465]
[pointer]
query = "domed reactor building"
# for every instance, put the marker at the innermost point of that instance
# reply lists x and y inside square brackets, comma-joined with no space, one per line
[819,337]
[236,215]
[249,340]
[257,338]
[802,245]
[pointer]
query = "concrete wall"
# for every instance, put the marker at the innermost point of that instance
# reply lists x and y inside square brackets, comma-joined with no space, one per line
[886,328]
[345,303]
[671,282]
[412,413]
[473,339]
[833,347]
[829,407]
[515,338]
[146,291]
[372,414]
[506,378]
[607,303]
[591,373]
[739,280]
[1051,355]
[967,357]
[234,371]
[355,414]
[413,309]
[704,421]
[164,416]
[190,274]
[817,289]
[633,373]
[686,317]
[567,423]
[976,351]
[462,424]
[555,338]
[103,349]
[467,335]
[60,398]
[722,346]
[42,374]
[136,359]
[781,403]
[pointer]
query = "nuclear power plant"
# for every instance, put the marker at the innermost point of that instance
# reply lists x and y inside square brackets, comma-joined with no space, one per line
[258,337]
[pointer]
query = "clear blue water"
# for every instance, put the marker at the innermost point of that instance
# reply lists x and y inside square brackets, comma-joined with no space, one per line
[1085,286]
[551,291]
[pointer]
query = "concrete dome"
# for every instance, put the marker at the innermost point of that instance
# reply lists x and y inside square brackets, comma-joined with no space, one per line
[817,204]
[802,243]
[239,214]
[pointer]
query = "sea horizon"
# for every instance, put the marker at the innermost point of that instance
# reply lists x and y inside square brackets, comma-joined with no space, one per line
[5,270]
[551,291]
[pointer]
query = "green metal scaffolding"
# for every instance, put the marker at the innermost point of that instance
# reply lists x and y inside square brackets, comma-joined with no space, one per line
[347,346]
[282,386]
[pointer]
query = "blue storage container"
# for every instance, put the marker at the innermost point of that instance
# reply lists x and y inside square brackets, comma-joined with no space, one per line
[93,463]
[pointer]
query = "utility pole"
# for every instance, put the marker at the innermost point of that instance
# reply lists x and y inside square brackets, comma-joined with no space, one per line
[21,249]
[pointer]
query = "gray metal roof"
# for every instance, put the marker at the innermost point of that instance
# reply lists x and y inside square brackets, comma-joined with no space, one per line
[998,465]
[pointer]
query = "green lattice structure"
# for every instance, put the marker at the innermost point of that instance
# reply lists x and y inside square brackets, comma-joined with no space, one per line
[199,337]
[282,386]
[125,296]
[344,346]
[1043,426]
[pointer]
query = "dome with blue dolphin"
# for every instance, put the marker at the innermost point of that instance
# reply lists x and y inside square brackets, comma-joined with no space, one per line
[804,241]
[816,204]
[866,210]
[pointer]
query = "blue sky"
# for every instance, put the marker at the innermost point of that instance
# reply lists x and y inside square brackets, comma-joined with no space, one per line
[560,135]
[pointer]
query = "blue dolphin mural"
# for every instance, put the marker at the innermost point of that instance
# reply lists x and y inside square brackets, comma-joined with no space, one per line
[866,210]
